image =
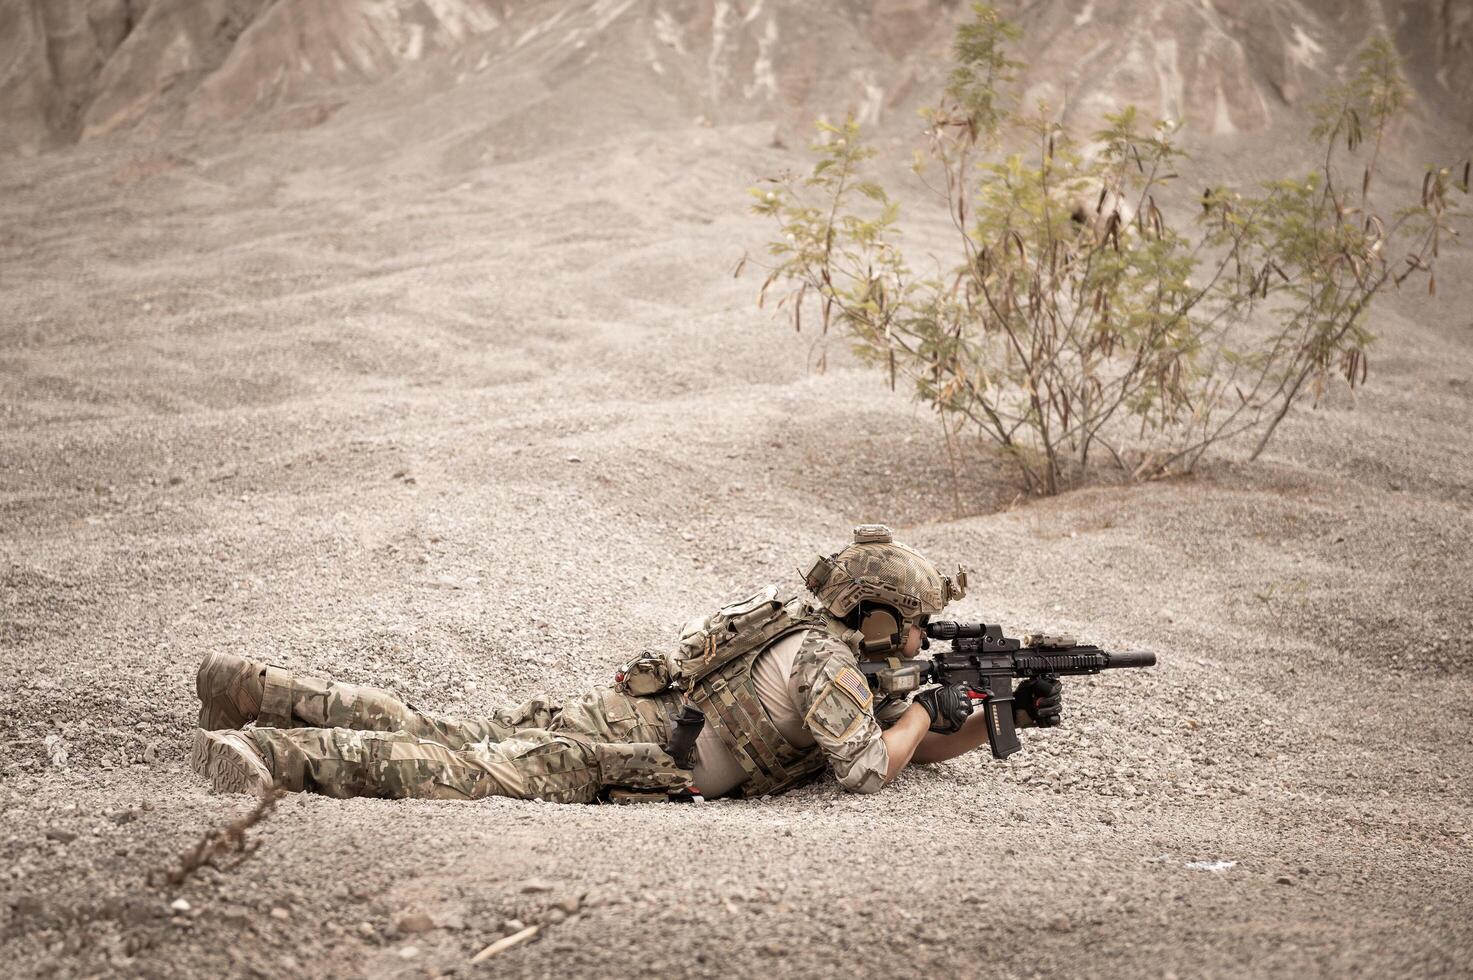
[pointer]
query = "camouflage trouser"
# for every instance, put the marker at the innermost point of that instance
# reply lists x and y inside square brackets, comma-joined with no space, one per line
[344,740]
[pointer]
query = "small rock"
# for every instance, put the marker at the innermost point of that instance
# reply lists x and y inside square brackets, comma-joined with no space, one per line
[408,952]
[556,915]
[28,906]
[280,914]
[569,904]
[513,925]
[365,928]
[61,836]
[1283,880]
[534,885]
[1060,923]
[573,458]
[179,905]
[123,816]
[415,922]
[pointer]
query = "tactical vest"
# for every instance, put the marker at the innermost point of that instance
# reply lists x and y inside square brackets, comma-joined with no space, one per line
[714,666]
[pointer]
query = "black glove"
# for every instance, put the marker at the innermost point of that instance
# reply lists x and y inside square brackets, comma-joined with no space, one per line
[949,707]
[1041,699]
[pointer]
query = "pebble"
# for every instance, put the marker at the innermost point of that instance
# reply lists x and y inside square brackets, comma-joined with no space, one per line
[1060,923]
[569,904]
[533,885]
[513,925]
[1284,880]
[61,836]
[415,922]
[280,914]
[408,952]
[179,905]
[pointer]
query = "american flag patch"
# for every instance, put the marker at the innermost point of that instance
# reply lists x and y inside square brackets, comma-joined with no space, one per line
[852,683]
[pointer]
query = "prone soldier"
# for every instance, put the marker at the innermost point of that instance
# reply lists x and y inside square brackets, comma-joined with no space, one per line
[776,679]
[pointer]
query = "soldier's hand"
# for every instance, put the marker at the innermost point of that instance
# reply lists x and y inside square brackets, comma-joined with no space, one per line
[949,707]
[1041,699]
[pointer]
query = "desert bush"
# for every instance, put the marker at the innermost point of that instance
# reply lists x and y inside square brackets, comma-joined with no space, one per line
[1081,321]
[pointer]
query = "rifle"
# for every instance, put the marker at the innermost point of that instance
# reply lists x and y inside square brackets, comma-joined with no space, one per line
[984,660]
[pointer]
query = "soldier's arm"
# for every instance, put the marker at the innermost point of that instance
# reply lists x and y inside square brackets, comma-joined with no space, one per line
[905,739]
[936,747]
[837,708]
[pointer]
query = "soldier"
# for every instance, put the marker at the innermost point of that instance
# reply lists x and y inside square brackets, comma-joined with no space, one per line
[776,679]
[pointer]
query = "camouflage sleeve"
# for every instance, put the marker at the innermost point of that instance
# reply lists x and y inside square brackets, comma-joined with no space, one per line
[838,711]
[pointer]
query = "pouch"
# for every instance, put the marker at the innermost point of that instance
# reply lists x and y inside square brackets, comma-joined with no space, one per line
[648,673]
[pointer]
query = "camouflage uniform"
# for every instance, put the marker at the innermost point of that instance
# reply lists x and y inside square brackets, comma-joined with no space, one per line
[344,740]
[777,679]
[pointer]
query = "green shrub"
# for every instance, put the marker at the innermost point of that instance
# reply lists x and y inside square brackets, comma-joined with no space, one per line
[1079,322]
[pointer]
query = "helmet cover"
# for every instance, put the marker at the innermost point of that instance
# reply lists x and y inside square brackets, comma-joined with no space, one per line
[876,569]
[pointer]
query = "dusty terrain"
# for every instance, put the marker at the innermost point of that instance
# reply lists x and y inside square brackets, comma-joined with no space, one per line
[378,399]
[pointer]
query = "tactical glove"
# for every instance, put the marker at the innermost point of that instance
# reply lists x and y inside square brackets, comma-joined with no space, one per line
[949,707]
[1041,700]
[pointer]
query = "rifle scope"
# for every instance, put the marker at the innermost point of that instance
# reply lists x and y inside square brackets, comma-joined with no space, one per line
[946,630]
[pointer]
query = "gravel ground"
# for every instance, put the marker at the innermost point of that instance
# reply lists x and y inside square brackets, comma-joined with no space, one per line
[474,434]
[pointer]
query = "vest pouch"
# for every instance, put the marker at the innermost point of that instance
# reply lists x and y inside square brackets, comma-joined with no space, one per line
[736,629]
[649,673]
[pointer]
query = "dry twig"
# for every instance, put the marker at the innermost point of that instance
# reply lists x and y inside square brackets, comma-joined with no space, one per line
[221,848]
[505,943]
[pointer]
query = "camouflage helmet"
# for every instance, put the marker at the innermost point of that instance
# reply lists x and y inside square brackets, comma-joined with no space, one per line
[878,570]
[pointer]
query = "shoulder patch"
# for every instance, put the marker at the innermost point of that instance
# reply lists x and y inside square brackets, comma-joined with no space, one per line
[852,683]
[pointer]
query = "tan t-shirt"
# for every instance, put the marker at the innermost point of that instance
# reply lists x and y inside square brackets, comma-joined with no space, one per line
[857,751]
[717,771]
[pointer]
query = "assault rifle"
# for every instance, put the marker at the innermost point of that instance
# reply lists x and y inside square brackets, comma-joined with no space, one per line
[986,662]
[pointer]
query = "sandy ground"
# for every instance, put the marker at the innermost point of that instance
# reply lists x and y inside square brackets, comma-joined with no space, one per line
[476,432]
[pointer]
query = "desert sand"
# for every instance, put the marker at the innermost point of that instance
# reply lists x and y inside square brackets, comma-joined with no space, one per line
[401,399]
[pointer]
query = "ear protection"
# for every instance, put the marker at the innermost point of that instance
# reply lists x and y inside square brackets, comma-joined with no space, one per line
[882,631]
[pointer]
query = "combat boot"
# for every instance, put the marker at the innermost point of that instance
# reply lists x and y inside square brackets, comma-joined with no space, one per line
[230,691]
[231,762]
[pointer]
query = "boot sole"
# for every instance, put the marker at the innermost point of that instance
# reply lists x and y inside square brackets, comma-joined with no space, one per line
[222,764]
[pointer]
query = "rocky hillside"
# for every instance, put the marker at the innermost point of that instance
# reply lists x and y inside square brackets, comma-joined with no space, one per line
[78,69]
